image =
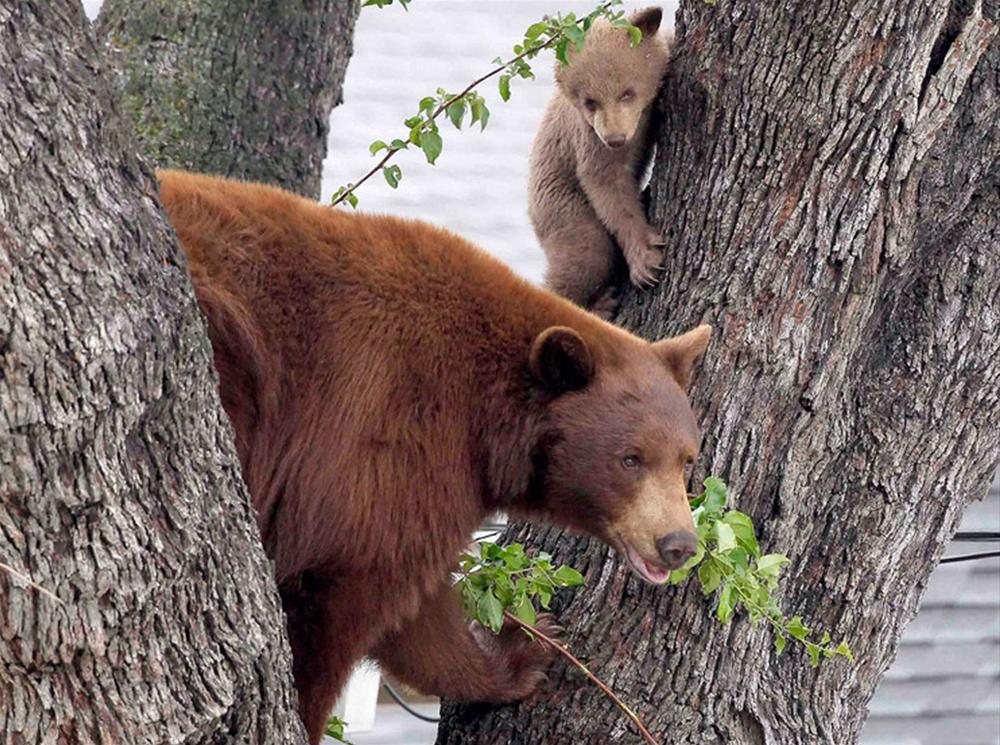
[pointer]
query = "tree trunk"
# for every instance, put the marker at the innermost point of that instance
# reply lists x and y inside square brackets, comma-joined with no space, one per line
[238,88]
[828,177]
[136,602]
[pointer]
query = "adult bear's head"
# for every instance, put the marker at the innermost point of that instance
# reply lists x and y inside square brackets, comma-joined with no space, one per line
[619,440]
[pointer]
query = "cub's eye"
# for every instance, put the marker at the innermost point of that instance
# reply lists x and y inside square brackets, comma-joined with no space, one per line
[591,105]
[631,461]
[627,95]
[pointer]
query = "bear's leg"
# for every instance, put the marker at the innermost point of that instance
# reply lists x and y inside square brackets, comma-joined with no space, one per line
[582,262]
[440,653]
[329,628]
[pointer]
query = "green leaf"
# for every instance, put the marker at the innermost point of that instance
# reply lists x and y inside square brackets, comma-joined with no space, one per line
[770,565]
[634,36]
[561,46]
[797,629]
[490,612]
[480,113]
[715,495]
[376,146]
[710,577]
[335,729]
[535,30]
[504,86]
[392,175]
[678,575]
[525,610]
[427,103]
[456,112]
[575,35]
[567,576]
[844,651]
[725,610]
[814,651]
[780,642]
[399,144]
[725,537]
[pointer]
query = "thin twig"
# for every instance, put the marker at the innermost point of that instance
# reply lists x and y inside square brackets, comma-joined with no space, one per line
[391,151]
[564,651]
[26,580]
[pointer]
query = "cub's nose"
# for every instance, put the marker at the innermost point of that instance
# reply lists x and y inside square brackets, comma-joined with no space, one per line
[677,547]
[615,140]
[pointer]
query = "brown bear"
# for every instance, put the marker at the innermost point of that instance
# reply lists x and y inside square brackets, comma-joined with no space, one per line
[390,386]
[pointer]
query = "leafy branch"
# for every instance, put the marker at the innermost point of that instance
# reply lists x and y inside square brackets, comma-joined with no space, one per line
[729,562]
[422,128]
[503,582]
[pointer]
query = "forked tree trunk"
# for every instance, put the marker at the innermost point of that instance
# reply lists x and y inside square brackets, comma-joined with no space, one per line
[238,88]
[153,617]
[828,179]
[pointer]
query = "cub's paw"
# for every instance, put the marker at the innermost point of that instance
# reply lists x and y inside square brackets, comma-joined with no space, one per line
[644,266]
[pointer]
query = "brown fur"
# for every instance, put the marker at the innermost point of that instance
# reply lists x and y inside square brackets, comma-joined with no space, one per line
[391,385]
[584,194]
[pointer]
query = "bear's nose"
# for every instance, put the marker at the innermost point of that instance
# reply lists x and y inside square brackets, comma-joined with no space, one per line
[615,140]
[677,547]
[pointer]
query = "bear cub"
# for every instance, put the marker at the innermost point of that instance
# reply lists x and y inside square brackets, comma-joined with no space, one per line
[589,155]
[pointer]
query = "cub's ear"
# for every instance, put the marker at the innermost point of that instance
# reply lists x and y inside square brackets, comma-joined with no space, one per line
[681,352]
[647,20]
[561,360]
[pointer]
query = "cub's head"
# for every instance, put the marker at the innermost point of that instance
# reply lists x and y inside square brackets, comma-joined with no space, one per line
[620,440]
[610,82]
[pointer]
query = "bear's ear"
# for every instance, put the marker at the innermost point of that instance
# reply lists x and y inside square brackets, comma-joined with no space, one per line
[561,360]
[647,21]
[681,352]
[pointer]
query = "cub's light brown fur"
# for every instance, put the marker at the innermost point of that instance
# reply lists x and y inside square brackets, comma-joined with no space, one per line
[390,385]
[590,152]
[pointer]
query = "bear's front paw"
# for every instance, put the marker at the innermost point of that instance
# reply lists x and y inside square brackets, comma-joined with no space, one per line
[644,265]
[525,658]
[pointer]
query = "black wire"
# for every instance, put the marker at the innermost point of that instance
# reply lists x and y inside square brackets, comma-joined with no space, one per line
[970,557]
[409,709]
[978,536]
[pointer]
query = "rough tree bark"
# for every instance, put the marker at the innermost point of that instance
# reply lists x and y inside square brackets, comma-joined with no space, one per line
[236,88]
[152,615]
[828,177]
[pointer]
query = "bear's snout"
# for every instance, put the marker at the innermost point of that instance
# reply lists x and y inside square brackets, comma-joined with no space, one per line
[677,547]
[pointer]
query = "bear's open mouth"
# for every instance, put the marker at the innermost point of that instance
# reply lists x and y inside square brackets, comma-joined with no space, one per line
[652,572]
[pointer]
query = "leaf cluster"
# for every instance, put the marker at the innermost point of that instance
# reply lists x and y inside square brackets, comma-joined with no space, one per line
[335,728]
[506,578]
[729,563]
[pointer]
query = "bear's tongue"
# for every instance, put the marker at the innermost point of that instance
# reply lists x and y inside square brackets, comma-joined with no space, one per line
[649,571]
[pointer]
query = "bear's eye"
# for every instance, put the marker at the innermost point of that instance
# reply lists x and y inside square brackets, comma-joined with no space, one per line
[631,461]
[627,95]
[591,105]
